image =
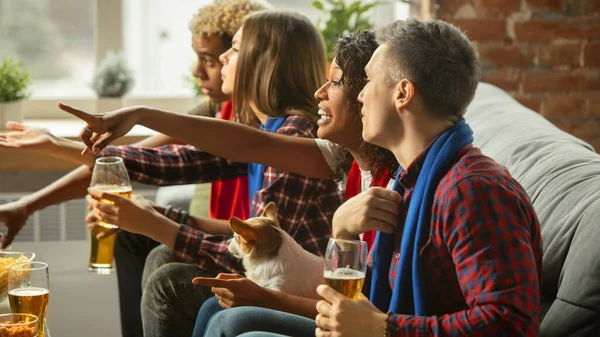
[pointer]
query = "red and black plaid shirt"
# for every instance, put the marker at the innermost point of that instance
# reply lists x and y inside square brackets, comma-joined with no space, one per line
[305,205]
[483,259]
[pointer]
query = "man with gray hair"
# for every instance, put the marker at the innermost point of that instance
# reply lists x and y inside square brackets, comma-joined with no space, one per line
[458,249]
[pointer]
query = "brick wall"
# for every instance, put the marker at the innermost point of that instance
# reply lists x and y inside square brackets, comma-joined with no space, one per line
[546,53]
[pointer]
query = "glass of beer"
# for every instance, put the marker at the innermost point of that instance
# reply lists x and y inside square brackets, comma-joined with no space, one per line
[346,266]
[28,290]
[109,175]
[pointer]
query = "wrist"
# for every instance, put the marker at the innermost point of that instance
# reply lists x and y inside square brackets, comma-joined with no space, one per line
[382,326]
[163,230]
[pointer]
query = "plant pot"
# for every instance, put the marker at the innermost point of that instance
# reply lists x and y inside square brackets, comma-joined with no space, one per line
[11,112]
[105,104]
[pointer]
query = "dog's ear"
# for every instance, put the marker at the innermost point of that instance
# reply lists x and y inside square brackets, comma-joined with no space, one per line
[271,213]
[243,229]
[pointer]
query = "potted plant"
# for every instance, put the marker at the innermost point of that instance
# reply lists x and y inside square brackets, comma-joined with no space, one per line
[341,19]
[14,82]
[113,79]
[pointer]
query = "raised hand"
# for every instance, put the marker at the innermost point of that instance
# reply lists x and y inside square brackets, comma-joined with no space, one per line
[234,290]
[102,129]
[14,215]
[374,209]
[25,138]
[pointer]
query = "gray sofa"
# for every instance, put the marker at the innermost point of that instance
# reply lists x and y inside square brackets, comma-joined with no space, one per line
[561,174]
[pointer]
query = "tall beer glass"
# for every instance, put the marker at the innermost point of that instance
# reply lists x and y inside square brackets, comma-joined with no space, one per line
[29,290]
[346,266]
[109,175]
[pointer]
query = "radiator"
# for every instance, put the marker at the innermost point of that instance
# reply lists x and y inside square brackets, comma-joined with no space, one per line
[64,222]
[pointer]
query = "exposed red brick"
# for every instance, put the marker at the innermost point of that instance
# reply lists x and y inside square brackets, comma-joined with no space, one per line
[591,79]
[482,29]
[501,55]
[497,6]
[544,31]
[559,54]
[533,103]
[585,129]
[553,5]
[585,6]
[591,54]
[565,106]
[505,78]
[448,8]
[546,81]
[593,107]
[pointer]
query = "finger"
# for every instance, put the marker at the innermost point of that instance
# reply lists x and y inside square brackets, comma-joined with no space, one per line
[85,116]
[386,193]
[103,142]
[98,194]
[329,294]
[8,239]
[324,307]
[92,220]
[109,233]
[106,208]
[85,136]
[323,333]
[324,323]
[211,282]
[224,305]
[223,293]
[384,205]
[224,276]
[108,218]
[14,126]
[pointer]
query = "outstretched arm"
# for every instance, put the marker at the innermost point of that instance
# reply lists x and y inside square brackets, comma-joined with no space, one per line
[230,140]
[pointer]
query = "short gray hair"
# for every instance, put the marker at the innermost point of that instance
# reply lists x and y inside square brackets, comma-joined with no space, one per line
[437,58]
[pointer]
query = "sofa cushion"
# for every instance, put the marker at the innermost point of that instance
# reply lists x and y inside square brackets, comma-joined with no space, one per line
[561,175]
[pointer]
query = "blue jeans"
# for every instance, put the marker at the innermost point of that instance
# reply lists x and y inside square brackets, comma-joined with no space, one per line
[209,308]
[236,321]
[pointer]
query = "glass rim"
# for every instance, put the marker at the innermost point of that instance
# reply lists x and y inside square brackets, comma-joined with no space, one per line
[110,160]
[35,319]
[42,265]
[360,242]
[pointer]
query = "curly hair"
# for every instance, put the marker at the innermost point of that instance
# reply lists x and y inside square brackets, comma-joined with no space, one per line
[224,18]
[352,53]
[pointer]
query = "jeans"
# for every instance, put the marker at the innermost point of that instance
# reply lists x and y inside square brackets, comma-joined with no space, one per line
[236,321]
[131,251]
[207,311]
[171,302]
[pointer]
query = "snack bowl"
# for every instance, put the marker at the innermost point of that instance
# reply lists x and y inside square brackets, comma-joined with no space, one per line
[7,259]
[18,325]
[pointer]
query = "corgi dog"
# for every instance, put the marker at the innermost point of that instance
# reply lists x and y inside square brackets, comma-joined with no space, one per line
[272,258]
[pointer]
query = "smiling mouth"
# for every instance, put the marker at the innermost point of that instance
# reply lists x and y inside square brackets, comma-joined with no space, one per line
[324,115]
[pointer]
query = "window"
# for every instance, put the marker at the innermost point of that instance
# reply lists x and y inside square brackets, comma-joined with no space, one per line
[54,39]
[61,41]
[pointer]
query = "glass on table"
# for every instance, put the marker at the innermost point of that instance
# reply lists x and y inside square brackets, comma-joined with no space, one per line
[29,290]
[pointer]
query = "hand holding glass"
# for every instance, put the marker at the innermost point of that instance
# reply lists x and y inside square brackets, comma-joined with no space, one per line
[346,266]
[109,175]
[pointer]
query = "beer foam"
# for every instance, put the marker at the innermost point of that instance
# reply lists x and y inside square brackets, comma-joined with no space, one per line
[113,188]
[28,291]
[344,273]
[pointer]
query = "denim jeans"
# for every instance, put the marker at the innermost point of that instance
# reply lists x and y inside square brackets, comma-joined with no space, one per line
[236,321]
[171,302]
[209,308]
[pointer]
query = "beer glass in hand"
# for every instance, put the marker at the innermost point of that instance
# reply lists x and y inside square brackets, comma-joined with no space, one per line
[29,290]
[109,175]
[346,266]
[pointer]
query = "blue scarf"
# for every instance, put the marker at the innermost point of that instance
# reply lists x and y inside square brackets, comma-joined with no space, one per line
[256,175]
[409,295]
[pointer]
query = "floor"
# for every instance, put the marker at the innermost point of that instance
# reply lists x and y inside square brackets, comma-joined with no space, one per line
[81,303]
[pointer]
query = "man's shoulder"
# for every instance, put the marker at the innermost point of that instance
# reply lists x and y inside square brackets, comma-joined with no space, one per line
[477,173]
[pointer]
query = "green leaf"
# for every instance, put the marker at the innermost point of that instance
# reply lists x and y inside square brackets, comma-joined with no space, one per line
[318,5]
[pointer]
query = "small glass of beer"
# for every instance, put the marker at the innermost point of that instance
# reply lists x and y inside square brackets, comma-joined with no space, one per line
[28,290]
[109,175]
[346,266]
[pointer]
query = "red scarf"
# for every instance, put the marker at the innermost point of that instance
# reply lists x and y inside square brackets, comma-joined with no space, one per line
[381,178]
